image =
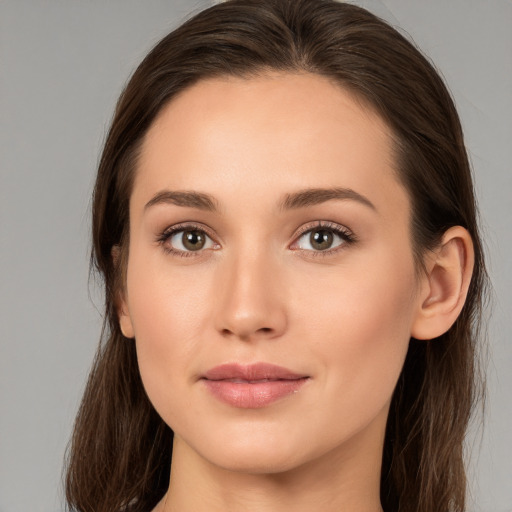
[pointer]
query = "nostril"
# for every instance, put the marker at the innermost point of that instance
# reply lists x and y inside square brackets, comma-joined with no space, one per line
[246,335]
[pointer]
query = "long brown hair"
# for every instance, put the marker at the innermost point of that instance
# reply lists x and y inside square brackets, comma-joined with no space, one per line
[120,453]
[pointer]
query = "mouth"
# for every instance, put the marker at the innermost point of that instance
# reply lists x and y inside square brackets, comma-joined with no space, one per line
[253,386]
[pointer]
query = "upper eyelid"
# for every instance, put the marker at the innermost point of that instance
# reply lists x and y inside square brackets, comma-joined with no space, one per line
[326,225]
[183,226]
[186,226]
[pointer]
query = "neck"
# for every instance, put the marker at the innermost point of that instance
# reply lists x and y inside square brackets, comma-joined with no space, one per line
[347,480]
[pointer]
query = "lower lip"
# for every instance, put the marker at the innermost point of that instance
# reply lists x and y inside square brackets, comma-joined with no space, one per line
[255,395]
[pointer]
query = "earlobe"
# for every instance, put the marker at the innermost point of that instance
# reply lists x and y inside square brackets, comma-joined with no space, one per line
[445,286]
[125,322]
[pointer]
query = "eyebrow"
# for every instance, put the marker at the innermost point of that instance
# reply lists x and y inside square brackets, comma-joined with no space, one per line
[314,196]
[292,201]
[184,198]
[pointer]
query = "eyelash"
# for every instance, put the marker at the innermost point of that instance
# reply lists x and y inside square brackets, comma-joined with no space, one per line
[345,234]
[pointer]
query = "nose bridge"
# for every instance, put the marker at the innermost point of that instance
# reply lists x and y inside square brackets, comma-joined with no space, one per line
[251,301]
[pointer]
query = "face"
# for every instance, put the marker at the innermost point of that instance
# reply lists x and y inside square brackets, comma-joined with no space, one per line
[270,284]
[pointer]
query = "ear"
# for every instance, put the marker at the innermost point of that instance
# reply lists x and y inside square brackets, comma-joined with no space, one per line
[123,313]
[445,286]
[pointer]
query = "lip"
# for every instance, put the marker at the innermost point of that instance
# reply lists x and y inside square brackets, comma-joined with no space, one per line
[252,386]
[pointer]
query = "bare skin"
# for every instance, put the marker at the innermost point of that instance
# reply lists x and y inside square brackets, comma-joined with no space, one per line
[241,278]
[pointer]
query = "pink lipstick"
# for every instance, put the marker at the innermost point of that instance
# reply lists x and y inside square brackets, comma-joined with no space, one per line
[253,386]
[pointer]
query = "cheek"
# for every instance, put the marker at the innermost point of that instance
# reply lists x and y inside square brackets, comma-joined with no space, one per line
[359,329]
[168,314]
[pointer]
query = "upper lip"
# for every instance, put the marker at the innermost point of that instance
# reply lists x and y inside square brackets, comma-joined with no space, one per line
[251,372]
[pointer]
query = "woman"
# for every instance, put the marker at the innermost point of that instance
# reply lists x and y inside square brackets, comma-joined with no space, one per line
[285,222]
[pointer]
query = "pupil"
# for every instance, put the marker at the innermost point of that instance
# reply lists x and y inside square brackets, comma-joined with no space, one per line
[321,239]
[193,240]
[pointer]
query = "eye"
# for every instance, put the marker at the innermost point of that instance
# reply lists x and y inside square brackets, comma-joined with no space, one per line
[190,240]
[324,237]
[186,240]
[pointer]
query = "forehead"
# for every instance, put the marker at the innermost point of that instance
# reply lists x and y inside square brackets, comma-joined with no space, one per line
[267,134]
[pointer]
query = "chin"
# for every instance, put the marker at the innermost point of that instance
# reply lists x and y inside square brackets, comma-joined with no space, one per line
[256,462]
[258,450]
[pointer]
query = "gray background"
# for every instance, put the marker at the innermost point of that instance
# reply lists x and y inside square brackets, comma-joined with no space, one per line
[62,66]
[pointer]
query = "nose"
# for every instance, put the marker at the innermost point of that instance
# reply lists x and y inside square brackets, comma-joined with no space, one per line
[251,301]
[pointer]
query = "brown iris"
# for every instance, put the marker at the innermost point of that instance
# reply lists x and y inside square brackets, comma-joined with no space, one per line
[193,240]
[321,239]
